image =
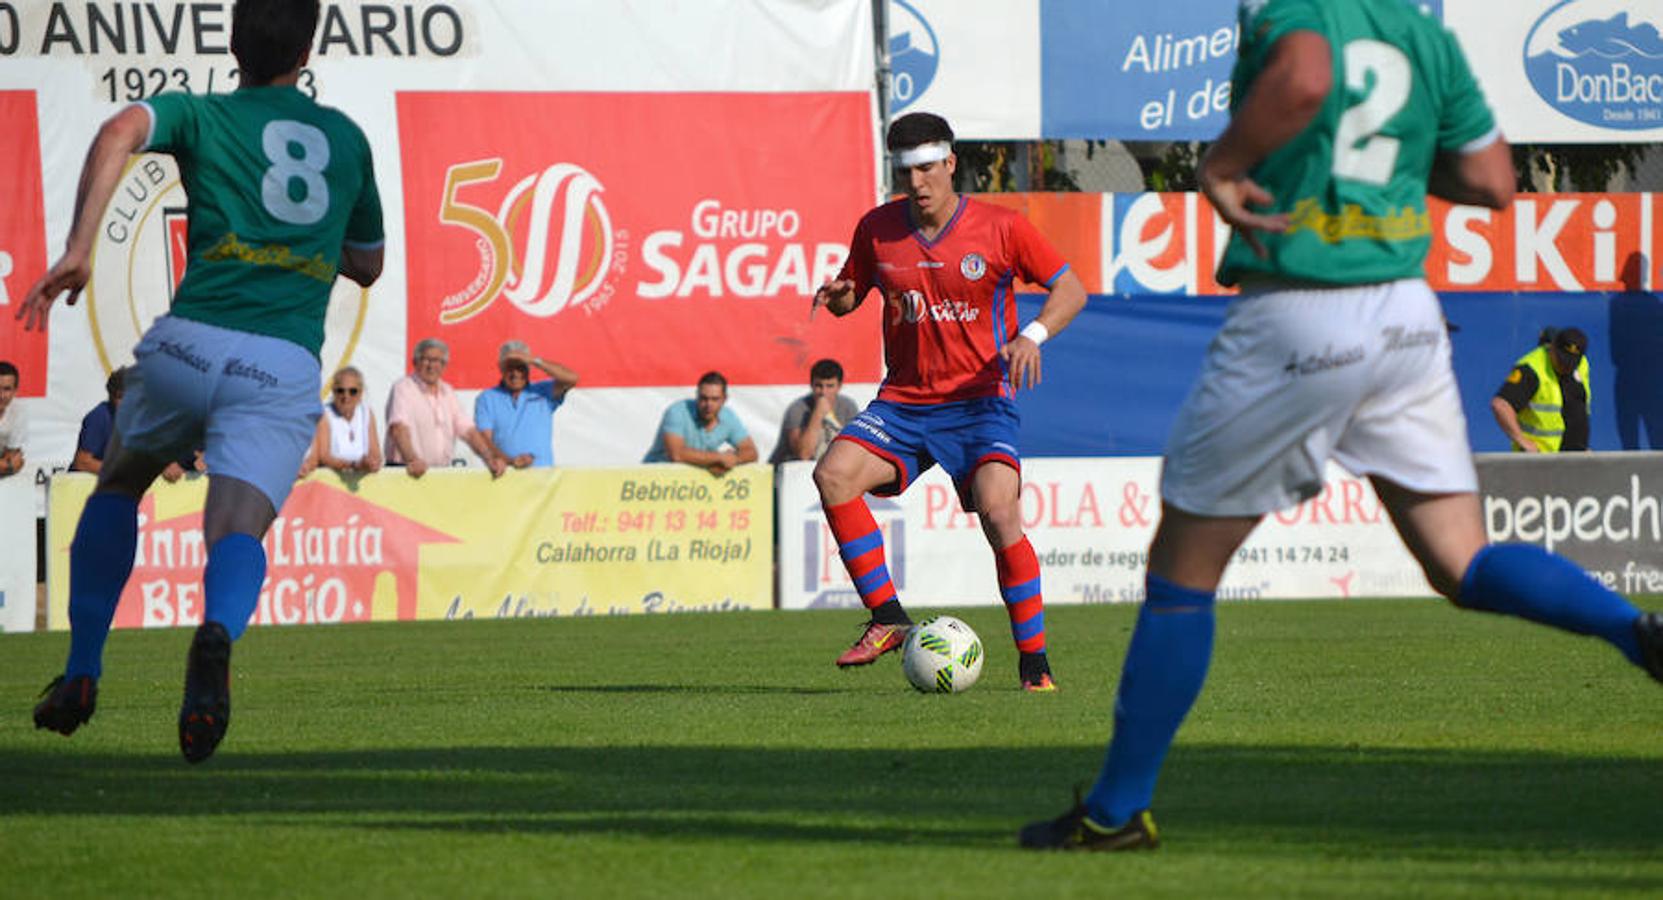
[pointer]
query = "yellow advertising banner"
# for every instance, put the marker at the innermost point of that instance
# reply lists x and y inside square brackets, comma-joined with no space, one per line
[457,545]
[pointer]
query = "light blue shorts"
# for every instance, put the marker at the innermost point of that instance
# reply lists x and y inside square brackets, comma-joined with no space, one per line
[249,400]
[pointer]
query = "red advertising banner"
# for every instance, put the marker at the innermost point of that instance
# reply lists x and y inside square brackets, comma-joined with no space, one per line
[1170,243]
[22,238]
[638,255]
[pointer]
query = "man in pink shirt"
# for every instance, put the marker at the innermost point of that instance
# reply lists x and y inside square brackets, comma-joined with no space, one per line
[424,418]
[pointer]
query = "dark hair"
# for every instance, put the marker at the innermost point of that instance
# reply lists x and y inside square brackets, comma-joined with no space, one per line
[117,383]
[7,368]
[826,368]
[716,378]
[269,37]
[915,129]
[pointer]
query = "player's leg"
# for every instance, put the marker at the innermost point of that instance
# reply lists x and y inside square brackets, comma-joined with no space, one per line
[1445,532]
[997,489]
[264,415]
[1165,668]
[843,476]
[1252,436]
[155,422]
[100,562]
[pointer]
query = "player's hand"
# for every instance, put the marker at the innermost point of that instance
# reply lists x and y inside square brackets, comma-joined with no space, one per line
[173,473]
[416,468]
[840,291]
[69,274]
[1021,356]
[1232,196]
[497,465]
[523,460]
[1529,446]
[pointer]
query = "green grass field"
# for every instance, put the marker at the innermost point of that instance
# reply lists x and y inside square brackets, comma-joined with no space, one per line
[1368,749]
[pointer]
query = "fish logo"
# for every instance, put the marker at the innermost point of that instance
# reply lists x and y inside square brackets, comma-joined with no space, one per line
[1599,62]
[914,55]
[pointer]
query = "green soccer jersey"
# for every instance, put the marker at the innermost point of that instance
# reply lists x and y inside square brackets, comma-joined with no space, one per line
[276,184]
[1354,181]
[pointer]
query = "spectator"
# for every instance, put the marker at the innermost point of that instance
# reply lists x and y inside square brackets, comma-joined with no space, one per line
[517,417]
[814,419]
[1543,405]
[703,431]
[424,418]
[98,424]
[346,439]
[13,428]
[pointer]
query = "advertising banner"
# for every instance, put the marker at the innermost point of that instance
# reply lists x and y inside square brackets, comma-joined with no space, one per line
[768,104]
[1171,244]
[1567,71]
[1160,75]
[22,238]
[457,545]
[976,62]
[1603,510]
[17,554]
[608,250]
[1090,521]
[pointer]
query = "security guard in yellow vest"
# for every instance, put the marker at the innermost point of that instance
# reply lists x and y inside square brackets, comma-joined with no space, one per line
[1543,406]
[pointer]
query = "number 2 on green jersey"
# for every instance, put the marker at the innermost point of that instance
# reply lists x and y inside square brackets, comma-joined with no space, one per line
[1361,153]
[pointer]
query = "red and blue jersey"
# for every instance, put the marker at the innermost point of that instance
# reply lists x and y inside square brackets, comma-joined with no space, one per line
[948,303]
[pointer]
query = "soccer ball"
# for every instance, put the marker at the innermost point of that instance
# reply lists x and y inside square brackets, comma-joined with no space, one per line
[942,656]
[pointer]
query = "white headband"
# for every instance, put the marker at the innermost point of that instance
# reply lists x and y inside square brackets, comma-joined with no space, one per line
[923,153]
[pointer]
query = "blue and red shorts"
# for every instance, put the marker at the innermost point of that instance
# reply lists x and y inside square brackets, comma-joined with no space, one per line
[958,436]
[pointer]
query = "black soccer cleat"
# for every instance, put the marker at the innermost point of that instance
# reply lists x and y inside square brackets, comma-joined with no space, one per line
[67,704]
[1649,629]
[206,712]
[1074,830]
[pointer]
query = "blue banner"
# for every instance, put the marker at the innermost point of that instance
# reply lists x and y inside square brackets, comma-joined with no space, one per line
[1160,72]
[1115,379]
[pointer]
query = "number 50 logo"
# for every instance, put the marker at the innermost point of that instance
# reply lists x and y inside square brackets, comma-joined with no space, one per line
[557,219]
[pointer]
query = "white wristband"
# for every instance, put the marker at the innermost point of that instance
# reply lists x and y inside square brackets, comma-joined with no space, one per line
[1036,331]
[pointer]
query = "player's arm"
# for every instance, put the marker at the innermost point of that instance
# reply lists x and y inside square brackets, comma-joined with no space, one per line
[1021,353]
[364,250]
[122,135]
[1483,177]
[843,295]
[362,264]
[1282,101]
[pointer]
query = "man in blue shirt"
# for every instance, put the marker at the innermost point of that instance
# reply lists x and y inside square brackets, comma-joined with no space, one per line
[703,431]
[517,416]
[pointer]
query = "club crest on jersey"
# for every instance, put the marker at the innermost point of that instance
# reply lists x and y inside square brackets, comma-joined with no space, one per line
[972,266]
[140,257]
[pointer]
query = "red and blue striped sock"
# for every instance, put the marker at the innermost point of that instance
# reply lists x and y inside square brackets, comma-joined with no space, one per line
[860,543]
[1024,603]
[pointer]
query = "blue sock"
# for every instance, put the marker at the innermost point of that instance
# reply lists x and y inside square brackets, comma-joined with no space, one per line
[1526,581]
[100,559]
[231,581]
[1165,668]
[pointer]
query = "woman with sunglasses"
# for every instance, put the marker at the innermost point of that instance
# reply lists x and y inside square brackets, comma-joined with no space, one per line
[346,440]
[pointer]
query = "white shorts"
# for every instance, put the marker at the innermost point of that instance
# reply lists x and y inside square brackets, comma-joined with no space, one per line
[1300,375]
[249,400]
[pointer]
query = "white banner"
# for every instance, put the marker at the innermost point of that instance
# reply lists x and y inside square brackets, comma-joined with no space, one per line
[1567,71]
[66,67]
[1090,521]
[976,62]
[17,554]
